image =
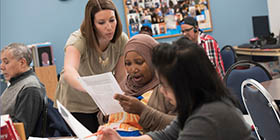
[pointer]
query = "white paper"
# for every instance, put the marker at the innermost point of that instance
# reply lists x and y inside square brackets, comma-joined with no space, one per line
[102,88]
[56,138]
[4,118]
[80,131]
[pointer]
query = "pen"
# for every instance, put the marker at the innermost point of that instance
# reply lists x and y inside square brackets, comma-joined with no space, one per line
[94,134]
[140,97]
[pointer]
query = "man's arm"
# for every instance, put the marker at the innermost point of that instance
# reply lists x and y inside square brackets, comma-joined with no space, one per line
[220,62]
[29,105]
[213,52]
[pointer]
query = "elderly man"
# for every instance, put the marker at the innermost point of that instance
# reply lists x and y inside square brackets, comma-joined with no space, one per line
[23,99]
[190,29]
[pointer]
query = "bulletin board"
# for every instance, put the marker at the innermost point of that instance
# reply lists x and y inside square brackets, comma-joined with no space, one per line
[164,16]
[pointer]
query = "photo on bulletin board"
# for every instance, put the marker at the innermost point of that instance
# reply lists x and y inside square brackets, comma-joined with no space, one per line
[45,55]
[163,17]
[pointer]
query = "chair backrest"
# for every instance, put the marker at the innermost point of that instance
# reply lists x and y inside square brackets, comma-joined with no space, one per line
[262,109]
[19,126]
[51,123]
[229,56]
[235,76]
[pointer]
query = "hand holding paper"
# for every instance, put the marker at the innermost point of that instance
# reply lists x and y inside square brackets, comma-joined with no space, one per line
[102,88]
[130,104]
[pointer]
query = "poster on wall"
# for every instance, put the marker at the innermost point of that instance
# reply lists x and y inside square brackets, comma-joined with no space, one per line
[45,55]
[42,54]
[163,17]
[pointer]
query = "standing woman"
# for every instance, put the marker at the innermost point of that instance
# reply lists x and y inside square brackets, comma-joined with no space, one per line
[97,47]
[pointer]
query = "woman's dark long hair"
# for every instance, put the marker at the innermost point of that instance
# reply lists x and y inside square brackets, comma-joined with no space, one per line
[190,74]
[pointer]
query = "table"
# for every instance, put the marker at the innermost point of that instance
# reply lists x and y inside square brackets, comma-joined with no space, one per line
[257,51]
[273,87]
[248,54]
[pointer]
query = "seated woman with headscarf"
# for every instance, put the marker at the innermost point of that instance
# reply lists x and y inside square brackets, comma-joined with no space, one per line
[148,109]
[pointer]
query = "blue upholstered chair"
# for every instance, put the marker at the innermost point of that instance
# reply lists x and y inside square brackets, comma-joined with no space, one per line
[262,109]
[229,56]
[239,72]
[51,123]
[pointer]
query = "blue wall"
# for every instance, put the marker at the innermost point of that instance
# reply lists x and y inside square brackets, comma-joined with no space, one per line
[33,21]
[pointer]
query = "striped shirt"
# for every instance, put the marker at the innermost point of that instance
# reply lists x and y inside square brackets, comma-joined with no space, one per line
[127,121]
[212,49]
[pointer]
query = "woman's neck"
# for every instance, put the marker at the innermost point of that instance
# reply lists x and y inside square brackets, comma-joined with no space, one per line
[103,44]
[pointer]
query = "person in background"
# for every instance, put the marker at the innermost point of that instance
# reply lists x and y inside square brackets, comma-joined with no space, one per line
[146,30]
[97,47]
[131,20]
[146,108]
[190,29]
[23,99]
[204,106]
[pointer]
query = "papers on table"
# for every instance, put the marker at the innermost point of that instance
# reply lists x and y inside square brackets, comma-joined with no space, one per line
[102,88]
[80,131]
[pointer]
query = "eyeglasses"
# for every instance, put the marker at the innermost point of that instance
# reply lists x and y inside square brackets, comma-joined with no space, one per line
[187,30]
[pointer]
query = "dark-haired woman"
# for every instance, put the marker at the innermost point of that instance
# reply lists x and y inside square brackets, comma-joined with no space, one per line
[145,108]
[95,48]
[205,109]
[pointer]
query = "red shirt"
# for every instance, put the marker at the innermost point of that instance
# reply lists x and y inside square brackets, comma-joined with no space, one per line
[212,49]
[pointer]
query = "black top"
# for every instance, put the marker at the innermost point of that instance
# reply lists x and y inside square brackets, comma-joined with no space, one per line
[29,103]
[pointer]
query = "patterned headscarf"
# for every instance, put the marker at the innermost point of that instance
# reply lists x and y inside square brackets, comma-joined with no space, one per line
[143,45]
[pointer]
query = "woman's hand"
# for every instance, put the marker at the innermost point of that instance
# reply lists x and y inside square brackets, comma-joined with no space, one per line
[108,134]
[130,104]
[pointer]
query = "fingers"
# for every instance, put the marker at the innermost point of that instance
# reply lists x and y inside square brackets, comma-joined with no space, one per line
[101,128]
[116,96]
[109,134]
[121,97]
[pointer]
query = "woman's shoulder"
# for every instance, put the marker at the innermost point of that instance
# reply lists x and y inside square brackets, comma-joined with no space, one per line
[123,37]
[218,107]
[76,36]
[219,111]
[222,117]
[160,102]
[77,40]
[217,119]
[120,42]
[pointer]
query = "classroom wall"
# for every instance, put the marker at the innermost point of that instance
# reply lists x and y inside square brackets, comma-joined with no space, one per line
[33,21]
